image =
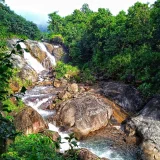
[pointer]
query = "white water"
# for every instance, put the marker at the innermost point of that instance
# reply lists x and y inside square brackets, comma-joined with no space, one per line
[64,145]
[101,147]
[31,60]
[51,58]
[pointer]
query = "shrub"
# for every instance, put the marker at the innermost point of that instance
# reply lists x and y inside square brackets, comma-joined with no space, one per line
[57,39]
[32,147]
[65,70]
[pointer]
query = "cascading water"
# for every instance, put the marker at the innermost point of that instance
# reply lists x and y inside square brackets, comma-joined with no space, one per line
[31,60]
[51,58]
[41,96]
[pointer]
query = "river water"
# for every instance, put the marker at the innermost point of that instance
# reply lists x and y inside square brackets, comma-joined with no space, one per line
[41,96]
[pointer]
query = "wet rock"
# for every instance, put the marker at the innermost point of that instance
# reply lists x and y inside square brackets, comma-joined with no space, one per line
[147,125]
[38,53]
[83,114]
[35,50]
[49,47]
[51,134]
[18,61]
[28,73]
[29,121]
[84,154]
[56,50]
[73,88]
[124,95]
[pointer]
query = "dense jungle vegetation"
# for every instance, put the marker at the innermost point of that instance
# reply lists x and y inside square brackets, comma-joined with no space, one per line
[99,43]
[115,47]
[15,26]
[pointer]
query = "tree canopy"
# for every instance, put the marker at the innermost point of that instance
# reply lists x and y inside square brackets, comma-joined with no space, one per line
[128,43]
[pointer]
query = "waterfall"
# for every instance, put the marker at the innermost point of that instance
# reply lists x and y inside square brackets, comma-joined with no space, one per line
[51,58]
[31,60]
[42,95]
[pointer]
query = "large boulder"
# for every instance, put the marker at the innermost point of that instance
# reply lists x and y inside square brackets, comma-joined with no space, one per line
[124,95]
[147,125]
[83,114]
[29,121]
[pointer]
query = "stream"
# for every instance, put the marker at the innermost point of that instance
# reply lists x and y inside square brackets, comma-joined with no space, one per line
[39,97]
[42,96]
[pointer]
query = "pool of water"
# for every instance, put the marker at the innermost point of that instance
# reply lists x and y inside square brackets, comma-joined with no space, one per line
[104,147]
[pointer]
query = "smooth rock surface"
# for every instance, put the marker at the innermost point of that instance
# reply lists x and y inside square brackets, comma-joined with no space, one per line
[124,95]
[83,114]
[147,125]
[28,73]
[29,121]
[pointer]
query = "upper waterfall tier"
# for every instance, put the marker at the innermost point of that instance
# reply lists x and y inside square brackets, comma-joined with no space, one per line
[31,60]
[51,58]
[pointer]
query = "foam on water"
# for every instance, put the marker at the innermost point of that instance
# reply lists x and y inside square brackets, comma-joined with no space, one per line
[31,60]
[51,58]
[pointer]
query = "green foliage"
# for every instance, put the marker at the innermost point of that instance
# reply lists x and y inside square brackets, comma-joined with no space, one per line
[57,39]
[32,147]
[39,147]
[9,106]
[6,127]
[114,46]
[87,75]
[13,25]
[72,154]
[65,70]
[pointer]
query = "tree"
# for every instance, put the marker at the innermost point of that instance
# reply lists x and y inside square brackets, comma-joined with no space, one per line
[85,8]
[138,26]
[55,23]
[155,18]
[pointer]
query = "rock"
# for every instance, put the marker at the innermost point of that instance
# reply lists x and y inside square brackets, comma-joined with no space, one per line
[73,88]
[28,73]
[64,82]
[124,95]
[83,114]
[51,106]
[56,83]
[84,154]
[29,121]
[81,89]
[18,61]
[64,95]
[49,47]
[51,134]
[147,125]
[38,53]
[56,50]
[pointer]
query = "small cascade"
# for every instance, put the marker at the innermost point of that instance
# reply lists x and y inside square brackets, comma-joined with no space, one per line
[31,60]
[51,58]
[37,98]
